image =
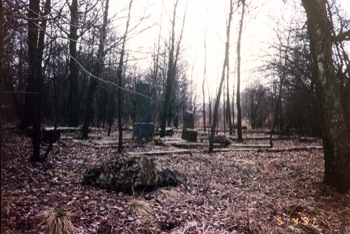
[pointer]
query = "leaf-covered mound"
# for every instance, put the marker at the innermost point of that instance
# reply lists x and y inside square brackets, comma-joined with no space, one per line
[130,174]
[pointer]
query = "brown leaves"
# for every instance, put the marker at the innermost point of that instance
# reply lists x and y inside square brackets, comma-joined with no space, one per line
[228,192]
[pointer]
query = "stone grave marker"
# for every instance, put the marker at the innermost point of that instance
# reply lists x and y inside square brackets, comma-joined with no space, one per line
[143,125]
[188,132]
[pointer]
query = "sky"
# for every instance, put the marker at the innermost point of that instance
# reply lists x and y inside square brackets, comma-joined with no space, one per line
[210,16]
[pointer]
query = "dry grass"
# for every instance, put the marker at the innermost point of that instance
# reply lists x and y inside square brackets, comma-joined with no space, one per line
[58,222]
[139,207]
[196,227]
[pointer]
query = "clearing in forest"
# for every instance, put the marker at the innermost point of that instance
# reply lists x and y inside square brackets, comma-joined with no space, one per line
[228,191]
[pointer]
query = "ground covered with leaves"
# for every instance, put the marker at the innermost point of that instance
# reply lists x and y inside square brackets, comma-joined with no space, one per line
[236,191]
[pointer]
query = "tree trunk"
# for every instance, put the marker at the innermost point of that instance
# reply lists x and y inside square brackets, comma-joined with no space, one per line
[97,69]
[233,104]
[210,111]
[89,110]
[336,138]
[239,111]
[204,114]
[228,105]
[171,73]
[120,83]
[217,101]
[204,79]
[35,79]
[169,83]
[224,106]
[73,69]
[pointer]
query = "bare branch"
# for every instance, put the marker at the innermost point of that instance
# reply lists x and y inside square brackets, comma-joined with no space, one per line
[345,36]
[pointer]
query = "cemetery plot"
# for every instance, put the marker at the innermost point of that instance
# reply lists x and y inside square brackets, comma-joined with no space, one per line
[281,189]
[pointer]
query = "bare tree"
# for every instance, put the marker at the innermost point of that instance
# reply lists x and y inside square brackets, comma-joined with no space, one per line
[239,111]
[228,105]
[120,81]
[73,68]
[37,22]
[217,101]
[204,79]
[174,51]
[336,137]
[97,69]
[255,104]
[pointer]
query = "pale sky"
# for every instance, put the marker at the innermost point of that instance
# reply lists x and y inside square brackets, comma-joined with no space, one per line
[258,33]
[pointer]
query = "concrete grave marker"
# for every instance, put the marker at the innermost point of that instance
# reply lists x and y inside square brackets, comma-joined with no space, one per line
[188,132]
[143,125]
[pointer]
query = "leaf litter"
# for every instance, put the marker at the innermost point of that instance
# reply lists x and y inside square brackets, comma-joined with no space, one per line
[225,192]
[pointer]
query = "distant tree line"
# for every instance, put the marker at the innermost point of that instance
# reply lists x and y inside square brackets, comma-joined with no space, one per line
[288,94]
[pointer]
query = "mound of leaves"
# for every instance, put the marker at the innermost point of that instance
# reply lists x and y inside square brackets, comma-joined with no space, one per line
[131,174]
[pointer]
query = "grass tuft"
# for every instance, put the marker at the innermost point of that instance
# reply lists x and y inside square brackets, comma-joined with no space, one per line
[58,222]
[139,207]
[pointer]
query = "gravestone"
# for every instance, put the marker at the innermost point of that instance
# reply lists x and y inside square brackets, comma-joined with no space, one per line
[143,125]
[188,132]
[188,120]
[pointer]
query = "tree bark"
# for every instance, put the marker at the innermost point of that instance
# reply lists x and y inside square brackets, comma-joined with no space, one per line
[97,69]
[239,111]
[120,83]
[336,138]
[204,79]
[172,66]
[217,101]
[228,104]
[73,69]
[203,101]
[36,36]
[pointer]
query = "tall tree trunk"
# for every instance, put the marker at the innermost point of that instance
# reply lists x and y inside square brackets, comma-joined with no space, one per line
[2,66]
[336,138]
[228,105]
[172,65]
[217,101]
[210,111]
[97,70]
[170,75]
[233,102]
[33,34]
[239,111]
[35,79]
[33,88]
[203,96]
[155,81]
[120,83]
[73,68]
[204,79]
[224,105]
[89,110]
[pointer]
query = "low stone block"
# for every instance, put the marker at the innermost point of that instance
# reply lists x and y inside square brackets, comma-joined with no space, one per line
[189,135]
[143,130]
[222,139]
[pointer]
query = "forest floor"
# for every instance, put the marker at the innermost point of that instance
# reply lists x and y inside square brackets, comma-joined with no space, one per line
[238,191]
